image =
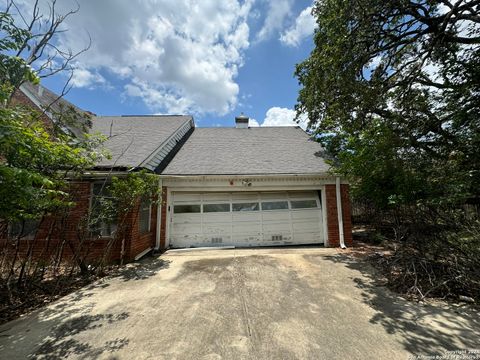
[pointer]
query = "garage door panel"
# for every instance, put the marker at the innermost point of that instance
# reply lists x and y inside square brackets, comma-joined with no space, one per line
[244,196]
[274,196]
[276,215]
[306,215]
[253,219]
[302,195]
[216,228]
[217,217]
[187,229]
[246,239]
[186,241]
[216,239]
[187,217]
[307,238]
[277,237]
[246,216]
[275,227]
[186,197]
[306,226]
[212,197]
[252,228]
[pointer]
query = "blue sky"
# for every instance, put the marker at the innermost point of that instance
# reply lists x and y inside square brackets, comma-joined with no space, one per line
[211,59]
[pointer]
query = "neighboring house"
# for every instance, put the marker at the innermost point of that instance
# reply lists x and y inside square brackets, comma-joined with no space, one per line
[240,186]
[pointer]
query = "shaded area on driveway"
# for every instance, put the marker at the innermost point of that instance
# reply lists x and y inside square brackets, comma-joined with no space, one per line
[303,303]
[54,330]
[428,328]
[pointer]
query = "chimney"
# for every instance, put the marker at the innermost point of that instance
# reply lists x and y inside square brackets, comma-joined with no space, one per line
[241,121]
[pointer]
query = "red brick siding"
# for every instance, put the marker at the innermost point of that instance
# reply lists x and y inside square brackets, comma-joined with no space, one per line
[139,242]
[62,236]
[347,214]
[163,219]
[66,234]
[332,215]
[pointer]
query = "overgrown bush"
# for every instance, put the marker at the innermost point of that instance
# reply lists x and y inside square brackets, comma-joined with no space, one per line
[435,251]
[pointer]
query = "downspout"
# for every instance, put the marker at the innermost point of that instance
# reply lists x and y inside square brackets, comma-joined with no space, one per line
[159,216]
[340,213]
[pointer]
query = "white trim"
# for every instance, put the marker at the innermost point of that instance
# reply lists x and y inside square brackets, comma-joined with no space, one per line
[239,183]
[324,216]
[320,176]
[168,218]
[339,213]
[159,217]
[143,253]
[151,162]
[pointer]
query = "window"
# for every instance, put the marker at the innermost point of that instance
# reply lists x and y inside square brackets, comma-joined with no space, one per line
[24,229]
[102,222]
[145,213]
[303,204]
[186,209]
[245,207]
[207,208]
[275,205]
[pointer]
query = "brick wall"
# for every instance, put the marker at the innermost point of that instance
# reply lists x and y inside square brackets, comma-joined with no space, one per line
[163,219]
[62,236]
[65,236]
[332,215]
[139,242]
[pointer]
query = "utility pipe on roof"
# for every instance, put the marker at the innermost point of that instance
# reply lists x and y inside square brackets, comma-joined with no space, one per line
[340,213]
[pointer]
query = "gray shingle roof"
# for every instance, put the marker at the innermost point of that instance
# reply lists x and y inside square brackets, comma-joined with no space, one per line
[231,151]
[54,106]
[133,139]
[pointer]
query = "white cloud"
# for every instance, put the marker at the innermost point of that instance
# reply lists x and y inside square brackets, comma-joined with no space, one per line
[277,116]
[303,27]
[277,13]
[176,55]
[253,123]
[86,78]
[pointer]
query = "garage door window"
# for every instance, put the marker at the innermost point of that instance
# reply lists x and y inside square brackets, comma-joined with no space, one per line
[303,204]
[186,209]
[275,205]
[208,208]
[245,207]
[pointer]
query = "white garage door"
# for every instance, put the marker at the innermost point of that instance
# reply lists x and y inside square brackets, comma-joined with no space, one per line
[245,219]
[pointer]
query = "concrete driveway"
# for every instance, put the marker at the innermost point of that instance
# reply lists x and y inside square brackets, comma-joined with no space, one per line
[303,303]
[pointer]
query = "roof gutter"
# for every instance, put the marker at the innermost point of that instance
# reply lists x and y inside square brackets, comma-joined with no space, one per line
[340,213]
[242,176]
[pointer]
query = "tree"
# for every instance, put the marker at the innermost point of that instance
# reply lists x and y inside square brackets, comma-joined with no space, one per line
[29,42]
[393,91]
[34,156]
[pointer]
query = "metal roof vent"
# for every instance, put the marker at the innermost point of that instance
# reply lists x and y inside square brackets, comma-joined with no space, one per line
[241,121]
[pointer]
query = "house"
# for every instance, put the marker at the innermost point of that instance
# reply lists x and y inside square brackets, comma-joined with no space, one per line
[242,186]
